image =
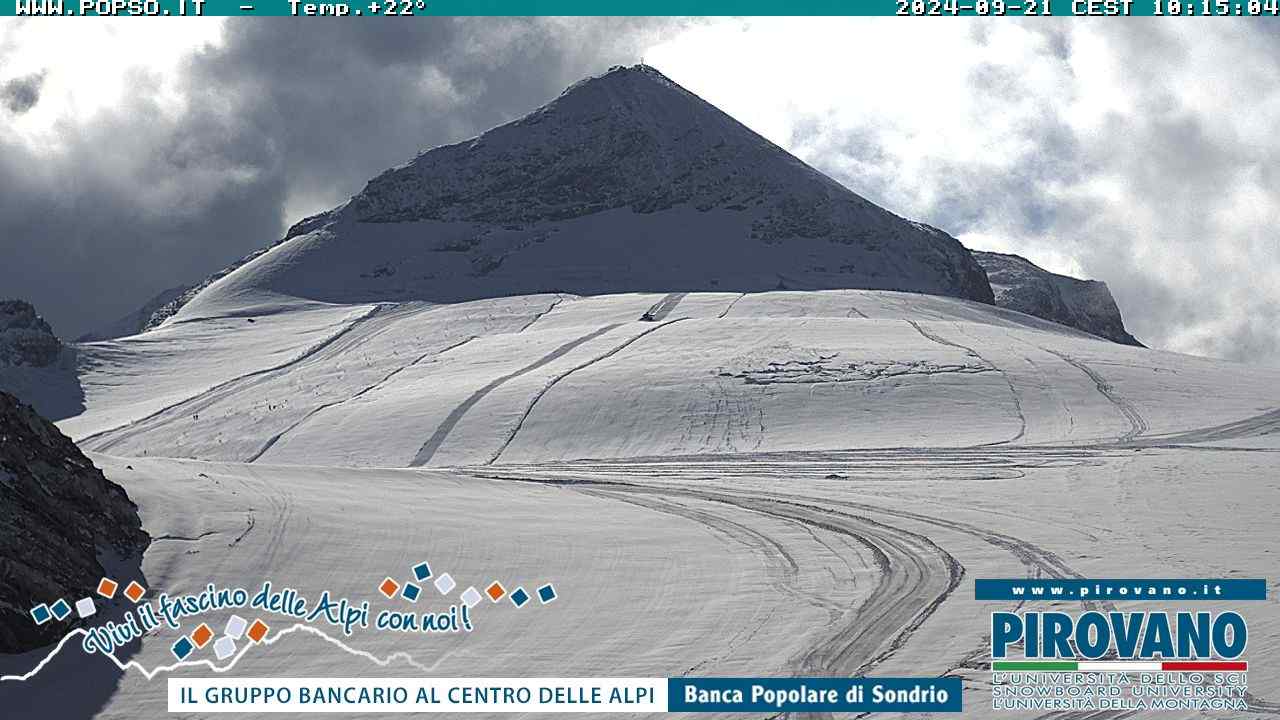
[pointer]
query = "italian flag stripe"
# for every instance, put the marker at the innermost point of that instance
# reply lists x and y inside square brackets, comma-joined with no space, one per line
[1115,665]
[1204,666]
[1033,665]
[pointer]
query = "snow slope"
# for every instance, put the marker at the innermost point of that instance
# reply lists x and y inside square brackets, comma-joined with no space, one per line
[803,563]
[786,482]
[131,378]
[556,377]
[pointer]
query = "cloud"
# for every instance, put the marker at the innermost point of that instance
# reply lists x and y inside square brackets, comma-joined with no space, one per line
[20,94]
[1140,153]
[210,152]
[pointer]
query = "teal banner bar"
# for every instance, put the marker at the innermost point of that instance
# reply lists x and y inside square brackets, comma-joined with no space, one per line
[384,10]
[1151,589]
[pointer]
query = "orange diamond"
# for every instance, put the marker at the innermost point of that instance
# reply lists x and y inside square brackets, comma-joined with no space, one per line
[257,631]
[202,635]
[107,587]
[135,591]
[495,591]
[389,588]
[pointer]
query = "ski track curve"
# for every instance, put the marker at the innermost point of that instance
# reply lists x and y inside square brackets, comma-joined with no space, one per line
[900,554]
[724,313]
[1137,423]
[1267,423]
[781,568]
[663,307]
[547,388]
[1013,391]
[916,575]
[104,440]
[432,445]
[554,303]
[271,442]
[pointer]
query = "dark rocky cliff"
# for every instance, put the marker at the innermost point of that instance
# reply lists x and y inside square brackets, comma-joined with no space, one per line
[58,515]
[1086,305]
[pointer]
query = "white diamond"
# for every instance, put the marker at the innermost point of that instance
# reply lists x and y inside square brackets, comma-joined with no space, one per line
[85,607]
[235,627]
[224,648]
[445,584]
[471,597]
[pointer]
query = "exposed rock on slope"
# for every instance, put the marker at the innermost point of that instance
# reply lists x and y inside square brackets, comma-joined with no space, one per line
[626,182]
[57,512]
[1085,305]
[26,340]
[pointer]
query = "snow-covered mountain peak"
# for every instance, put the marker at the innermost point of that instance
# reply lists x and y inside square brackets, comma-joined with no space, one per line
[622,78]
[629,138]
[625,182]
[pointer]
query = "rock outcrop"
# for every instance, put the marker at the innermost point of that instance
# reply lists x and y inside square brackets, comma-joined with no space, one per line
[1085,305]
[58,515]
[26,340]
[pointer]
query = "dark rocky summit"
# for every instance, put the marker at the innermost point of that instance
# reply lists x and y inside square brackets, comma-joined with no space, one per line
[1085,305]
[58,515]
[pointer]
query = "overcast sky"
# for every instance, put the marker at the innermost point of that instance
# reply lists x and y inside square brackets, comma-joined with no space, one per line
[137,156]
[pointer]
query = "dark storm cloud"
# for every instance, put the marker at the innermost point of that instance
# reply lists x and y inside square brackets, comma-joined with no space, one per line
[281,118]
[345,101]
[19,95]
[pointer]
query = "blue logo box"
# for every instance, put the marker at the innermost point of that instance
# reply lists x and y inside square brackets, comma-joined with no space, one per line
[411,592]
[41,614]
[787,695]
[182,648]
[1153,589]
[422,571]
[60,609]
[546,593]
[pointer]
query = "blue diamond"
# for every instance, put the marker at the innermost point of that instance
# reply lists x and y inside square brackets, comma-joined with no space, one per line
[411,592]
[40,614]
[546,593]
[422,571]
[182,648]
[519,597]
[61,609]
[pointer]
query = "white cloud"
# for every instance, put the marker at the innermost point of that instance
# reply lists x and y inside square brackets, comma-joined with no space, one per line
[1140,153]
[92,66]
